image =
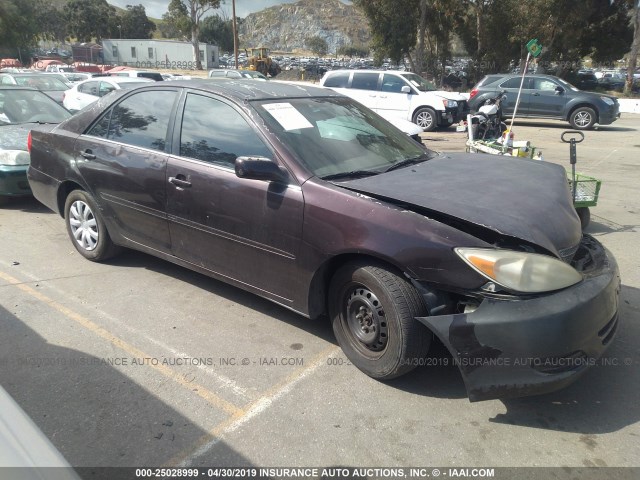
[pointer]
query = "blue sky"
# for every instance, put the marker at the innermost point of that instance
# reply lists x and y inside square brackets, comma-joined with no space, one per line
[157,8]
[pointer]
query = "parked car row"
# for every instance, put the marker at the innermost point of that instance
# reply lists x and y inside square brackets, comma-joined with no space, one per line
[547,96]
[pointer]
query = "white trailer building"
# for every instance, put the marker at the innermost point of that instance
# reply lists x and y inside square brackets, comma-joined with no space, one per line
[171,54]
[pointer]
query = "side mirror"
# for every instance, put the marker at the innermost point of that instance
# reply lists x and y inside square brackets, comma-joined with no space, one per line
[559,90]
[260,168]
[405,89]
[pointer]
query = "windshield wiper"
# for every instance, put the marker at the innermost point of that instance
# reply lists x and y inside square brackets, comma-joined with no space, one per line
[352,174]
[408,161]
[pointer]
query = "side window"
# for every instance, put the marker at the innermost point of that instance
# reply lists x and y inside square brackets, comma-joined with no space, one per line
[133,52]
[106,88]
[391,83]
[365,81]
[515,83]
[90,88]
[140,120]
[337,80]
[544,84]
[214,132]
[101,128]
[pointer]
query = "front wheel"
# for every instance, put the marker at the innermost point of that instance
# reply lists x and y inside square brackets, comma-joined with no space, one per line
[425,118]
[86,228]
[373,313]
[582,118]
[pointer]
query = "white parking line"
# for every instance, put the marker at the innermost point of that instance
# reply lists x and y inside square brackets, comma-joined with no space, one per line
[207,442]
[220,380]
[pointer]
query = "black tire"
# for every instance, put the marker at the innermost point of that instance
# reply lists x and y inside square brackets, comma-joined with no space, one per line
[372,310]
[585,216]
[86,228]
[425,117]
[583,118]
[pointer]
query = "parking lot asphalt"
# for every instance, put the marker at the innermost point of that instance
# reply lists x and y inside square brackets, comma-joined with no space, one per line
[138,362]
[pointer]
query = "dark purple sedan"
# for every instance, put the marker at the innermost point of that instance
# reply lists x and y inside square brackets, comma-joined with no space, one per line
[307,198]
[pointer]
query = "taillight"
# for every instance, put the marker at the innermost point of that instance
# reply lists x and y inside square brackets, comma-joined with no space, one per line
[473,93]
[29,142]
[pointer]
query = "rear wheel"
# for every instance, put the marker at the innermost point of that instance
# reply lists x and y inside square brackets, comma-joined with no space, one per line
[373,312]
[582,118]
[425,118]
[86,228]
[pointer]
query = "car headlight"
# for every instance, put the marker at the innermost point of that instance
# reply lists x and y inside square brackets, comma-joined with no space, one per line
[449,103]
[14,157]
[520,271]
[607,100]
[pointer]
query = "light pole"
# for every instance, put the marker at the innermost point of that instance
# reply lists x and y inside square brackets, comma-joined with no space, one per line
[235,33]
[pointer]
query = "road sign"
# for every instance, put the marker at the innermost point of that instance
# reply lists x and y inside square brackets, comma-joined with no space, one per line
[534,47]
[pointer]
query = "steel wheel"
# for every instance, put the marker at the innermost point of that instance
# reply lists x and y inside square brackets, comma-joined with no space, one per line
[366,320]
[84,226]
[373,312]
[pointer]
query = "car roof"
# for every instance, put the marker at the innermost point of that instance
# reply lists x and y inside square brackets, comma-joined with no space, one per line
[251,89]
[367,70]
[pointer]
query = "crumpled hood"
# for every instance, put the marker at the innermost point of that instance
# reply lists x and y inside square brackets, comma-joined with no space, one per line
[521,198]
[449,95]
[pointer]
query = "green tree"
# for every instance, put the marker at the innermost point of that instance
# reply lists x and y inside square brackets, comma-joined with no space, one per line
[635,47]
[196,10]
[317,45]
[89,19]
[393,29]
[134,23]
[176,23]
[19,29]
[217,31]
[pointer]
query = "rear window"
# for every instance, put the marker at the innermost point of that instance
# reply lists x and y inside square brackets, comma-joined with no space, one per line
[365,81]
[489,80]
[152,75]
[337,80]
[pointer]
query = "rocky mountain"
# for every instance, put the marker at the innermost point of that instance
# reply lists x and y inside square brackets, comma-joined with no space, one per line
[285,27]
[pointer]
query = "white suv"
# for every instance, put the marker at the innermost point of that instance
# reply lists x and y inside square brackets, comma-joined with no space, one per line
[399,95]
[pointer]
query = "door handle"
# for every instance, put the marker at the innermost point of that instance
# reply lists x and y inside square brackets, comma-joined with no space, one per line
[180,182]
[88,154]
[535,94]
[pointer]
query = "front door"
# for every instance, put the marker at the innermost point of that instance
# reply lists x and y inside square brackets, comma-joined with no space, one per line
[511,87]
[392,102]
[245,230]
[545,100]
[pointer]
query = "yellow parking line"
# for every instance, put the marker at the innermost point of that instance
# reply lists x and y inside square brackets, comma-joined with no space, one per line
[210,439]
[199,390]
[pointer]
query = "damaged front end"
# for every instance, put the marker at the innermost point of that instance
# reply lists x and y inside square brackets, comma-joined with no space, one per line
[510,345]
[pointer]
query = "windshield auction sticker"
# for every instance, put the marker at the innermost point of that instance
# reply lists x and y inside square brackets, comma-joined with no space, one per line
[287,116]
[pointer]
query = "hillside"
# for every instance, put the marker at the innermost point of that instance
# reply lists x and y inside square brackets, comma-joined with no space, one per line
[285,27]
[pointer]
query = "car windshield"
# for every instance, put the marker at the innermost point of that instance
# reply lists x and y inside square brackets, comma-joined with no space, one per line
[42,82]
[337,136]
[29,106]
[419,82]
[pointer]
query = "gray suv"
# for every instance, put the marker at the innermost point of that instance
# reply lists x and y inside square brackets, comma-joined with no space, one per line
[546,96]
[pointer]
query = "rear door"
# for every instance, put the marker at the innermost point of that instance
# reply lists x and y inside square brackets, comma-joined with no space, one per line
[364,88]
[245,230]
[512,86]
[123,161]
